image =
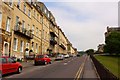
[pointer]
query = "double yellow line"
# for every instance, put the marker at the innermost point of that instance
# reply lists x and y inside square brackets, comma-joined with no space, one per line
[78,74]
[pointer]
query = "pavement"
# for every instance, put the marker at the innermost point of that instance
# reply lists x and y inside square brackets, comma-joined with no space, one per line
[90,70]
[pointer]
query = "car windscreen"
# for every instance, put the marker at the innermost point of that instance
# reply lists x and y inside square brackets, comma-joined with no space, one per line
[60,55]
[39,56]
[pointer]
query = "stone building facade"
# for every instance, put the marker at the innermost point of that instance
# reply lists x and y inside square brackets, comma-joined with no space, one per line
[29,28]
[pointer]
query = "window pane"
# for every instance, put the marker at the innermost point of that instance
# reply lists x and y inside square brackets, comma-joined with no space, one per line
[23,24]
[17,20]
[24,8]
[15,44]
[18,4]
[0,19]
[21,46]
[11,3]
[8,24]
[10,60]
[3,60]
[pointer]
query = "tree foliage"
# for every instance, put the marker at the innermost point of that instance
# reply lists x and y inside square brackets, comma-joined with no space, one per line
[90,51]
[112,43]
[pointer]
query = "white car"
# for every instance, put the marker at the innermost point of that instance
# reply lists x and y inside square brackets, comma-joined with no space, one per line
[66,56]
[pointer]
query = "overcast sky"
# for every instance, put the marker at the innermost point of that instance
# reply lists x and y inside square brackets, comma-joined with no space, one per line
[84,23]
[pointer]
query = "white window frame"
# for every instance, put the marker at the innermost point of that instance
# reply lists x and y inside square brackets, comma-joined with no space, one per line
[8,24]
[15,48]
[21,45]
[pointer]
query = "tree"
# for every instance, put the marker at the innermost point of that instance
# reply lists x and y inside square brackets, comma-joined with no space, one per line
[112,43]
[90,51]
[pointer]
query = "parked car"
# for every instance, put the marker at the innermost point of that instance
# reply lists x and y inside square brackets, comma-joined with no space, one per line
[66,56]
[59,57]
[42,59]
[70,55]
[78,55]
[9,65]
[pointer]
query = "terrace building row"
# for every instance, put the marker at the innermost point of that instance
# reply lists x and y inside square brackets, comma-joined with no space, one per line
[30,28]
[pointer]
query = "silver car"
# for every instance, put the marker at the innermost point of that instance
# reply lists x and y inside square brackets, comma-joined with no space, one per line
[59,57]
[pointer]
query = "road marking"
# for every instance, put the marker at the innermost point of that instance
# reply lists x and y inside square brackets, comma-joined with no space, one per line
[77,76]
[69,61]
[65,64]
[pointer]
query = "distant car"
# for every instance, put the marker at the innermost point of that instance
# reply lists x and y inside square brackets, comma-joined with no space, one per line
[42,59]
[70,55]
[9,65]
[59,57]
[66,56]
[78,55]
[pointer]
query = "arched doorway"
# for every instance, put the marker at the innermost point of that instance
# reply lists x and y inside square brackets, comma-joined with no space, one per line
[6,49]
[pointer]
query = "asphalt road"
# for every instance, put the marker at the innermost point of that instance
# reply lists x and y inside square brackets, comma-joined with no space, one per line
[68,68]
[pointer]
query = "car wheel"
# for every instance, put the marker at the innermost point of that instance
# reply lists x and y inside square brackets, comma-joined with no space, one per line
[45,63]
[35,64]
[19,70]
[50,62]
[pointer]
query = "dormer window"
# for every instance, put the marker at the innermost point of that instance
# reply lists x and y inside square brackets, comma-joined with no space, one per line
[10,3]
[18,4]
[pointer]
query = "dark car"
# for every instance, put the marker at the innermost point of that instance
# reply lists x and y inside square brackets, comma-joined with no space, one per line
[42,59]
[78,55]
[9,65]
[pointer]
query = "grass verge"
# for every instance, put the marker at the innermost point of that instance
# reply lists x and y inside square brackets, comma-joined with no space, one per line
[111,62]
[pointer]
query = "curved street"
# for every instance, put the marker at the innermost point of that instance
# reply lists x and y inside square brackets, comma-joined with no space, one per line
[73,68]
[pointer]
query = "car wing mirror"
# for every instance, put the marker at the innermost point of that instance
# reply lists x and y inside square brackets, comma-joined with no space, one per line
[14,61]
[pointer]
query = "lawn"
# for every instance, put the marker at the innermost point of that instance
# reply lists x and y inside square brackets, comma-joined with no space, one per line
[110,62]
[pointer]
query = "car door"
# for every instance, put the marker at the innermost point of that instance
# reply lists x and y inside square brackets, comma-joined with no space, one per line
[5,66]
[12,65]
[47,58]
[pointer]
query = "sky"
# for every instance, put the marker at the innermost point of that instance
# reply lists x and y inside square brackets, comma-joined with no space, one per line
[84,22]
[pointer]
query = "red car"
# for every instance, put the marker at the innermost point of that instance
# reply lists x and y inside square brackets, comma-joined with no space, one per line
[9,65]
[42,59]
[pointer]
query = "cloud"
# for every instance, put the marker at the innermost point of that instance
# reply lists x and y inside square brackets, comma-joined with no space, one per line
[79,0]
[84,23]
